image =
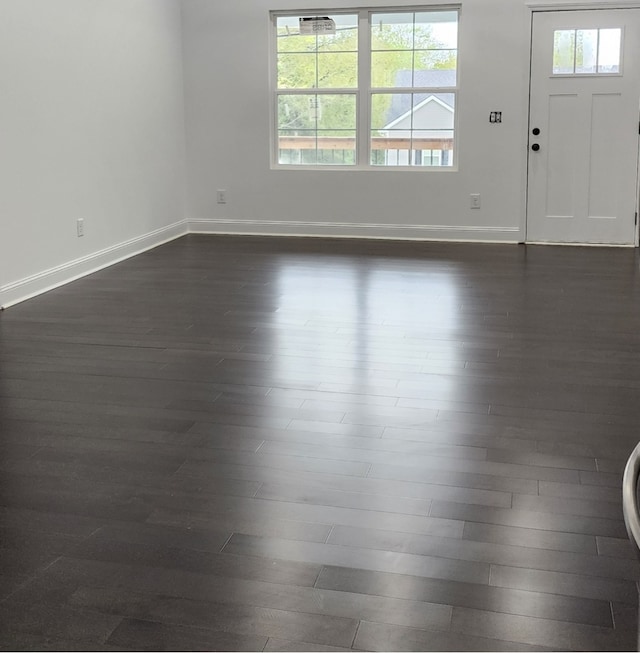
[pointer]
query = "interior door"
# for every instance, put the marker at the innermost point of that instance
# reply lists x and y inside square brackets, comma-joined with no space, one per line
[583,129]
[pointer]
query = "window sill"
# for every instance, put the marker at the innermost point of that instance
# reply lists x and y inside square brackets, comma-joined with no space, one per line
[328,168]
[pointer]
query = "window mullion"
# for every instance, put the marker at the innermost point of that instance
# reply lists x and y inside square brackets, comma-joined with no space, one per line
[363,100]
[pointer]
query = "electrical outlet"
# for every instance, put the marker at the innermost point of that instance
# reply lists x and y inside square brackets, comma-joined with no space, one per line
[475,200]
[80,227]
[222,196]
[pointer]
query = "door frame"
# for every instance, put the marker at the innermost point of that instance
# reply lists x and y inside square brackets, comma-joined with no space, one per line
[539,6]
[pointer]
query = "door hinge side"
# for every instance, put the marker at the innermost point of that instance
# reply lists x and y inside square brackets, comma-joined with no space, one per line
[636,222]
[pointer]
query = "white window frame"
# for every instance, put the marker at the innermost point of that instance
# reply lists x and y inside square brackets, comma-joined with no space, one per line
[363,92]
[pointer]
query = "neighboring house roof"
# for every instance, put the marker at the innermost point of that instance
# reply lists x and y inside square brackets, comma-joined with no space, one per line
[401,103]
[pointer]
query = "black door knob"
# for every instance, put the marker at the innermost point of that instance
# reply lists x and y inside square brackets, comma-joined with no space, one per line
[535,131]
[535,147]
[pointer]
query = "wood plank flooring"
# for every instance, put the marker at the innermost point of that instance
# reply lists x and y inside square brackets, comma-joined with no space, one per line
[272,444]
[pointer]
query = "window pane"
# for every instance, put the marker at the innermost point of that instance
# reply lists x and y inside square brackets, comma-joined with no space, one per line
[392,148]
[429,158]
[391,69]
[288,35]
[586,51]
[290,39]
[435,68]
[338,70]
[389,110]
[391,129]
[346,37]
[297,112]
[337,148]
[433,111]
[328,61]
[433,147]
[336,112]
[317,129]
[317,111]
[321,148]
[412,129]
[392,31]
[297,71]
[437,30]
[297,147]
[564,50]
[609,50]
[309,157]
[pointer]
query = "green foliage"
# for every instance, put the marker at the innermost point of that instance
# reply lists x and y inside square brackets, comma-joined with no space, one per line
[318,61]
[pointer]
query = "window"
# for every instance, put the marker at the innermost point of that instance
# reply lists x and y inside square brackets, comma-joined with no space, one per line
[587,51]
[377,91]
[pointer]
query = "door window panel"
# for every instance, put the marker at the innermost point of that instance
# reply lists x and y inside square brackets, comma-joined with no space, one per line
[587,51]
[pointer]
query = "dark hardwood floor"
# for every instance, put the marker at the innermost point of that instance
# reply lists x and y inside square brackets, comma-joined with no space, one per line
[277,444]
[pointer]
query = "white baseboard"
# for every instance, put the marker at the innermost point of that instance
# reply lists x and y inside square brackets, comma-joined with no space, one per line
[355,230]
[39,283]
[46,280]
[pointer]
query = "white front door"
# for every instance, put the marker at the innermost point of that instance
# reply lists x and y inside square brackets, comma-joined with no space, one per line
[583,129]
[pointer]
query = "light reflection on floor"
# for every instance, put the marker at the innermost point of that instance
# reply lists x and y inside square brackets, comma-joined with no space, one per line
[377,320]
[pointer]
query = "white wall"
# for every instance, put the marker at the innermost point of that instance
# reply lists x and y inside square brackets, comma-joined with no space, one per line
[227,103]
[91,126]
